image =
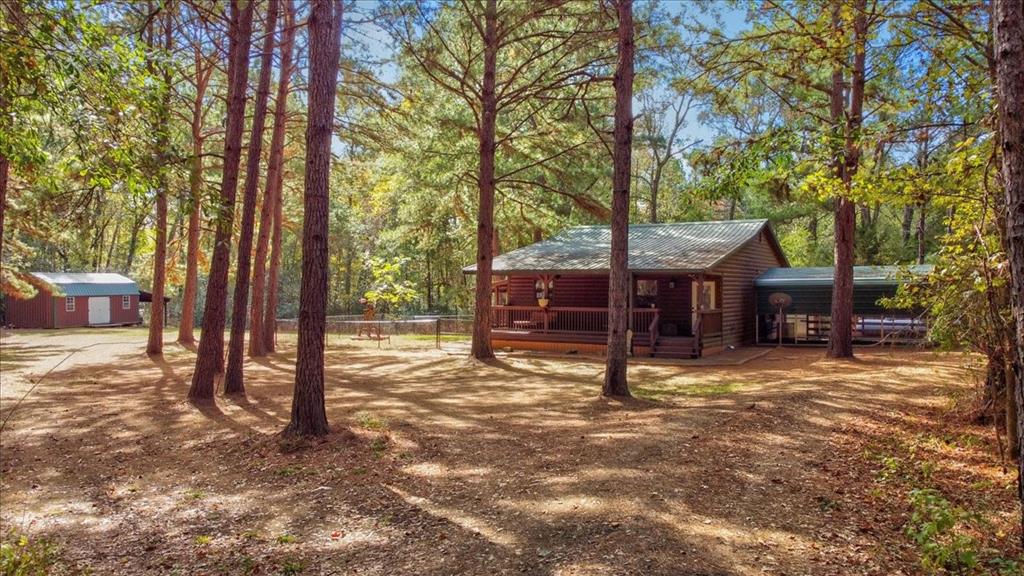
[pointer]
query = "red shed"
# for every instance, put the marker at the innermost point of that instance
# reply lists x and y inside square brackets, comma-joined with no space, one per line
[67,300]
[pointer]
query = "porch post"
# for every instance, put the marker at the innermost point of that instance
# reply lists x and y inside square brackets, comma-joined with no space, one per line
[699,329]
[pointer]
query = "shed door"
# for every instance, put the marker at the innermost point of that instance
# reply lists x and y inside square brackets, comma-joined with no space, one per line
[99,310]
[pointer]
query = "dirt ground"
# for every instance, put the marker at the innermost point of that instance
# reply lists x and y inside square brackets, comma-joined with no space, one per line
[442,465]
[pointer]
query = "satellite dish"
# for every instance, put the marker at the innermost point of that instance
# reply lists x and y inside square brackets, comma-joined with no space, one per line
[780,300]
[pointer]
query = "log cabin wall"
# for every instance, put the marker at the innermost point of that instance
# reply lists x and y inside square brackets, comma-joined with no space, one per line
[569,290]
[738,301]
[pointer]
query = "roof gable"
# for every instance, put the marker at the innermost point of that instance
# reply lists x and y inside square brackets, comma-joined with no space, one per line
[676,247]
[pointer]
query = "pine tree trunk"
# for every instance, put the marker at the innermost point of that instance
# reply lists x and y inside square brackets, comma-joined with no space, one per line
[481,344]
[210,357]
[1008,21]
[615,383]
[309,418]
[270,314]
[921,230]
[186,327]
[155,345]
[5,167]
[257,337]
[234,377]
[4,170]
[840,342]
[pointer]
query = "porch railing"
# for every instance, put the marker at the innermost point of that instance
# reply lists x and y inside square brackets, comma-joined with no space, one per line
[564,319]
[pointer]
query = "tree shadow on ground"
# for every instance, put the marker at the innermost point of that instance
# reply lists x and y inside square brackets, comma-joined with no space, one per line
[512,466]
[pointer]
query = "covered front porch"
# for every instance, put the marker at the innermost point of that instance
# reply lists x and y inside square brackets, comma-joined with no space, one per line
[570,313]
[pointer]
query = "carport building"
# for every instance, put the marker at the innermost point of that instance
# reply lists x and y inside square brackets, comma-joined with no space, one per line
[807,294]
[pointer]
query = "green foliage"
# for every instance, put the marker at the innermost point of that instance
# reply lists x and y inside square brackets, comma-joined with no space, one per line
[21,556]
[390,292]
[936,527]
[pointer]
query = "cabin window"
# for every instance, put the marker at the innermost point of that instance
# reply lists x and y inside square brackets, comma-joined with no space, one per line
[69,303]
[646,287]
[126,302]
[538,288]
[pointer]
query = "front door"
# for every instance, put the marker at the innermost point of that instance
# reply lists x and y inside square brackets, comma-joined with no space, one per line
[709,299]
[99,310]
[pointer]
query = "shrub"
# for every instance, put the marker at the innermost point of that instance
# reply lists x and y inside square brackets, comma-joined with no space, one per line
[20,556]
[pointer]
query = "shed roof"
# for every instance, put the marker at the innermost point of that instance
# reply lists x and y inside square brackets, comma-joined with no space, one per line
[89,284]
[823,276]
[676,247]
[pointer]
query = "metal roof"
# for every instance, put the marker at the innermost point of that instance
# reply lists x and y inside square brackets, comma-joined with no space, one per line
[89,284]
[822,276]
[676,247]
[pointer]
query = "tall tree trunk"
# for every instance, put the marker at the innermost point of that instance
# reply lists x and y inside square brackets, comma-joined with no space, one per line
[5,167]
[655,184]
[186,326]
[1008,21]
[234,377]
[309,418]
[921,230]
[481,345]
[907,224]
[155,345]
[615,383]
[276,237]
[257,337]
[840,341]
[210,358]
[4,170]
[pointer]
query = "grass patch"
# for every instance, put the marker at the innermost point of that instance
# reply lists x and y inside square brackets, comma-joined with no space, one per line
[292,567]
[666,391]
[288,471]
[195,494]
[433,337]
[20,556]
[371,422]
[287,539]
[203,540]
[379,446]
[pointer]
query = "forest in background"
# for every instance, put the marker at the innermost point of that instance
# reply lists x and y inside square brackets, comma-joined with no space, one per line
[732,121]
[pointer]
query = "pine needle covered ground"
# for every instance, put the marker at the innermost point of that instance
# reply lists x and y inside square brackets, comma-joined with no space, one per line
[788,464]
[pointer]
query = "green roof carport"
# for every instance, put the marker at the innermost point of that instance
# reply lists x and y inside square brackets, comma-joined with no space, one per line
[811,288]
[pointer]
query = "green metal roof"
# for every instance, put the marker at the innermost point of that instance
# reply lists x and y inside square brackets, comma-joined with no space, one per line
[88,284]
[822,276]
[676,247]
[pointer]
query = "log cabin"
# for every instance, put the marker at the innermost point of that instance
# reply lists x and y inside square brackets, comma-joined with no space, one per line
[692,288]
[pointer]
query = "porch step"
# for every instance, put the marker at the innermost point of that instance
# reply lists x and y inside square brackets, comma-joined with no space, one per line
[674,347]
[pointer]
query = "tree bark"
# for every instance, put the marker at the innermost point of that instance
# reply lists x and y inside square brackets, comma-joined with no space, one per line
[234,377]
[4,170]
[615,383]
[309,418]
[272,189]
[481,344]
[155,345]
[1008,23]
[270,314]
[921,230]
[210,358]
[186,326]
[840,341]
